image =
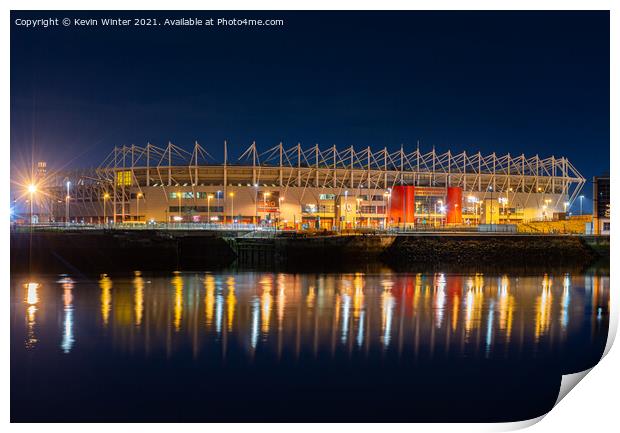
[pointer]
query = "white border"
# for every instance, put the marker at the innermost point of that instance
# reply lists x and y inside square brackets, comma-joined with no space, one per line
[592,407]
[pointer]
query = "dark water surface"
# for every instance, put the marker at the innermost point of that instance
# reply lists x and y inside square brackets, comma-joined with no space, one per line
[265,346]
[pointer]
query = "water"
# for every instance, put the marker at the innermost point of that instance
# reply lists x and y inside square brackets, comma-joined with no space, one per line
[261,346]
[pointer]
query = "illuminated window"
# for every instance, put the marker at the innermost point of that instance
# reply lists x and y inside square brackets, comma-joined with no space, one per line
[309,208]
[123,178]
[184,195]
[327,196]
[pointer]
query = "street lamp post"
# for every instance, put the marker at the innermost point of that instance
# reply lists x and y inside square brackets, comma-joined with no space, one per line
[265,195]
[105,197]
[346,202]
[32,188]
[473,200]
[547,201]
[232,207]
[280,200]
[503,201]
[67,198]
[138,197]
[440,203]
[492,204]
[209,197]
[179,197]
[580,205]
[255,205]
[385,210]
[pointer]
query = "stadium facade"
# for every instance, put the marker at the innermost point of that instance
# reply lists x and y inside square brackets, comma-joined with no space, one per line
[310,188]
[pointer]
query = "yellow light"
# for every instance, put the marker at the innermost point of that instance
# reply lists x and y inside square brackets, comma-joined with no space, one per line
[32,295]
[232,194]
[140,195]
[177,283]
[209,283]
[138,284]
[210,196]
[267,194]
[105,283]
[106,196]
[231,301]
[32,188]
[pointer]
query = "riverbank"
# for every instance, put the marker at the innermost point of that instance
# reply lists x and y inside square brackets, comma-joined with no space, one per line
[493,249]
[114,250]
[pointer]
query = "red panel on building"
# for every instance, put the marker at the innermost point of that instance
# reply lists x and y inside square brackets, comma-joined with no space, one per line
[402,205]
[454,205]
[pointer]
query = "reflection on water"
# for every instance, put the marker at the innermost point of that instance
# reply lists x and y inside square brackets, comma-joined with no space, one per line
[379,346]
[32,299]
[67,335]
[461,315]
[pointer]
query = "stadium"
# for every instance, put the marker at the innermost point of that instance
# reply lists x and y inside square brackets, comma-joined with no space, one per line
[307,188]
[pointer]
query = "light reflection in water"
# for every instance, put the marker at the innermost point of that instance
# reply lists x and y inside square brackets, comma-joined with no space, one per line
[440,298]
[506,307]
[266,300]
[346,306]
[138,284]
[255,320]
[489,336]
[328,313]
[177,284]
[231,301]
[219,308]
[565,300]
[209,299]
[32,299]
[67,334]
[281,300]
[543,307]
[387,311]
[474,302]
[105,283]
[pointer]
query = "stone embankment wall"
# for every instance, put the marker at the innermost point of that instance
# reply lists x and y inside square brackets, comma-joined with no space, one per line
[504,250]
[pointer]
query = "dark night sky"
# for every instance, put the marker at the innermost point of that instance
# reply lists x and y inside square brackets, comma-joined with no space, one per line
[532,82]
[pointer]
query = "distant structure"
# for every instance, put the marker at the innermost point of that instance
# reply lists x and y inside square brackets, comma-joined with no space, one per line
[41,170]
[600,205]
[315,187]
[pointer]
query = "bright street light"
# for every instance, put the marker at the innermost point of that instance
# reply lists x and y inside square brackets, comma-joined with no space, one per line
[209,197]
[67,200]
[138,197]
[232,206]
[32,188]
[105,197]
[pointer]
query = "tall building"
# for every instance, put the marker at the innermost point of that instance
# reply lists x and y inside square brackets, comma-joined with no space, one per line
[600,207]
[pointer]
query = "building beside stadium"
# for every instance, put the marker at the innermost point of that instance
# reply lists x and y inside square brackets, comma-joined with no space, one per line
[308,188]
